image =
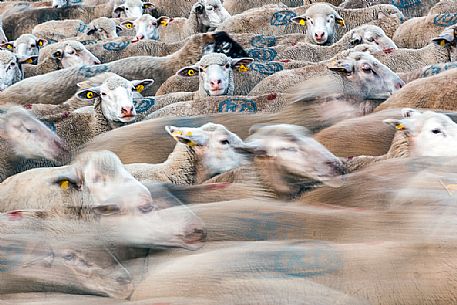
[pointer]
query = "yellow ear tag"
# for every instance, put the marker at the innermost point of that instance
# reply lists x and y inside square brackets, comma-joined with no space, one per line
[29,60]
[139,88]
[40,43]
[163,23]
[189,134]
[442,42]
[128,25]
[400,126]
[64,184]
[191,72]
[302,22]
[341,22]
[90,95]
[243,68]
[8,46]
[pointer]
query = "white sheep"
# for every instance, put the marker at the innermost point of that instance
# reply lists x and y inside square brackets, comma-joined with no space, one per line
[11,68]
[147,27]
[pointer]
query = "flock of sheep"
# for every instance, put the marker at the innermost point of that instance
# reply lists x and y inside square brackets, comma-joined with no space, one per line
[228,152]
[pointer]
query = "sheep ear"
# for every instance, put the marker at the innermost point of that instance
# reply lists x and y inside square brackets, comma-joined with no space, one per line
[69,179]
[356,39]
[57,54]
[185,135]
[127,25]
[91,31]
[32,60]
[301,20]
[341,67]
[188,71]
[118,29]
[163,21]
[339,20]
[147,5]
[398,124]
[198,8]
[139,85]
[41,42]
[409,112]
[382,15]
[118,10]
[8,46]
[88,94]
[241,64]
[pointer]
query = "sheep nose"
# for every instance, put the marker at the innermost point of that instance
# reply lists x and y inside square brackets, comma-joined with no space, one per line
[399,85]
[319,35]
[215,83]
[195,233]
[127,111]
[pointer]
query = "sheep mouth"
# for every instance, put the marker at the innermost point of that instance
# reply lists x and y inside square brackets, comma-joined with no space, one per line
[127,118]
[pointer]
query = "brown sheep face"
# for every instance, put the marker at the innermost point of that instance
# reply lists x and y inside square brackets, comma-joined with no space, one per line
[29,137]
[70,56]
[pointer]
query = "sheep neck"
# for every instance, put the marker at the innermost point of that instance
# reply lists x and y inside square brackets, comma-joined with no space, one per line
[8,160]
[103,124]
[182,166]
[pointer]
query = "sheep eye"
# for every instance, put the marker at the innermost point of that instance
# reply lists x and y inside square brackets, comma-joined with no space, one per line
[366,68]
[436,131]
[108,209]
[32,46]
[69,257]
[126,8]
[103,94]
[146,208]
[12,64]
[227,66]
[224,142]
[370,39]
[71,52]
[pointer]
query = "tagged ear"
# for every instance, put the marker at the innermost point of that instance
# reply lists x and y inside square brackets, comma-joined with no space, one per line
[341,67]
[8,46]
[41,42]
[185,135]
[57,54]
[163,20]
[445,38]
[139,85]
[127,24]
[147,5]
[398,124]
[88,94]
[339,20]
[241,64]
[301,20]
[188,71]
[31,60]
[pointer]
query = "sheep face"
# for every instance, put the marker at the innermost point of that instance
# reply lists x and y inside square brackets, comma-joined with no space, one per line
[372,35]
[10,69]
[74,55]
[292,152]
[431,133]
[103,28]
[216,73]
[320,20]
[131,9]
[223,43]
[211,13]
[3,37]
[147,27]
[115,97]
[26,45]
[367,75]
[29,137]
[447,38]
[216,145]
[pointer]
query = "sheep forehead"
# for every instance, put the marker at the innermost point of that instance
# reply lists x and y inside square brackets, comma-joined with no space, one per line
[430,117]
[291,132]
[26,38]
[133,3]
[217,129]
[369,28]
[319,9]
[6,57]
[116,81]
[145,18]
[214,59]
[212,2]
[104,161]
[78,46]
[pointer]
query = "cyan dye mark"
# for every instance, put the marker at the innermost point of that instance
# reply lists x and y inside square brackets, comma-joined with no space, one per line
[282,18]
[445,20]
[82,27]
[437,69]
[268,68]
[262,54]
[261,41]
[90,71]
[237,105]
[116,46]
[406,3]
[143,105]
[10,256]
[89,42]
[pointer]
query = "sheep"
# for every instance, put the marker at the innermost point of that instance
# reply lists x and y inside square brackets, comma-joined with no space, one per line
[61,55]
[25,45]
[24,138]
[417,32]
[205,15]
[199,154]
[113,106]
[236,7]
[434,92]
[11,69]
[356,63]
[64,81]
[276,19]
[147,27]
[99,29]
[444,6]
[427,71]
